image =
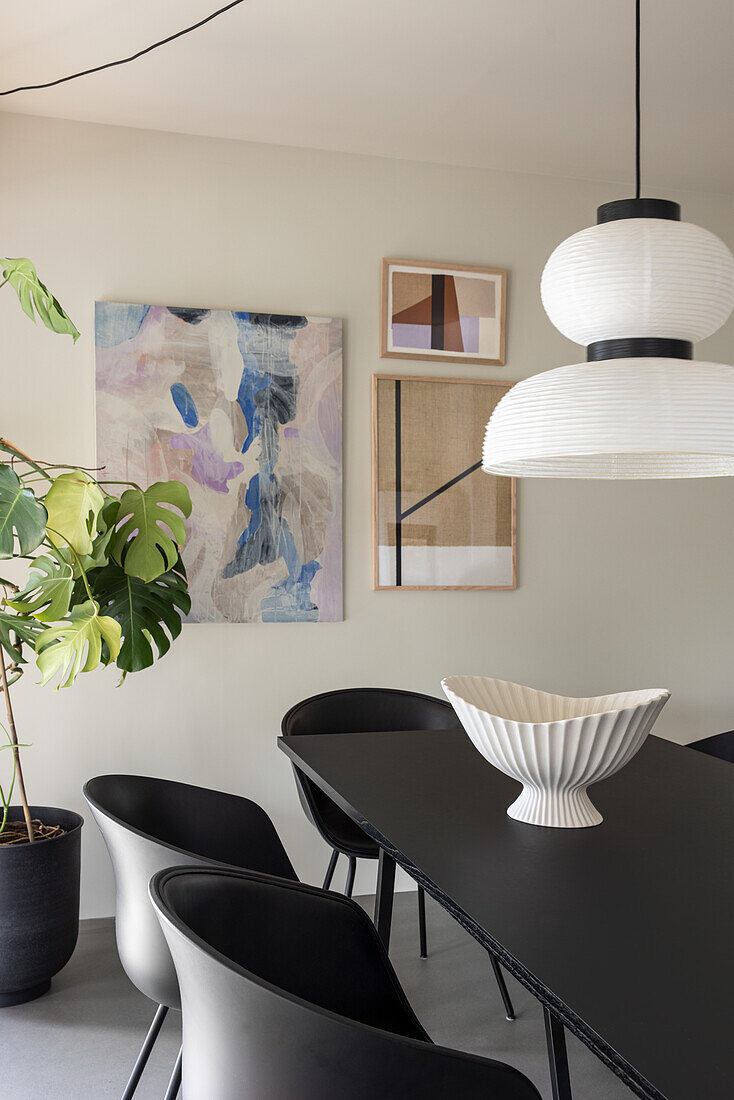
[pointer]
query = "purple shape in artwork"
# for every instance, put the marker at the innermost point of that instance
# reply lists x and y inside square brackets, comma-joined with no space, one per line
[470,333]
[411,336]
[208,467]
[291,433]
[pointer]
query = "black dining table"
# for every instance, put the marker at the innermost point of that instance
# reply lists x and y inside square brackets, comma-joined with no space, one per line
[624,932]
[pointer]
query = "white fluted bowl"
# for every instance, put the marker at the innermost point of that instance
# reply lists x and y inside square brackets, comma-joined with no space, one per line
[555,746]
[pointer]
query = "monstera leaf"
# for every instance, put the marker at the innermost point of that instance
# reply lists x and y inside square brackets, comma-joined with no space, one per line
[73,503]
[146,612]
[35,298]
[47,594]
[13,628]
[75,645]
[143,545]
[101,541]
[21,515]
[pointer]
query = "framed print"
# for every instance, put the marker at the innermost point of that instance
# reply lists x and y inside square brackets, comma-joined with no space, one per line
[438,521]
[445,313]
[246,410]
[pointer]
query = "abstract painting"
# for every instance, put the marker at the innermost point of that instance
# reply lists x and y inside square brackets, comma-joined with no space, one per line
[246,410]
[438,520]
[443,312]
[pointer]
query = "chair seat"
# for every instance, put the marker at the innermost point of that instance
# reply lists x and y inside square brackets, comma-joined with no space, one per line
[149,824]
[347,835]
[288,992]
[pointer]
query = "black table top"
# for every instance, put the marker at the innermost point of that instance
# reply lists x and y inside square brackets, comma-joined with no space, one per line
[626,930]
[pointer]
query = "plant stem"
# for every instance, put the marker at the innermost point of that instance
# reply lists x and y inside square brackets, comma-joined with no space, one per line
[131,484]
[15,750]
[72,469]
[6,445]
[5,799]
[75,556]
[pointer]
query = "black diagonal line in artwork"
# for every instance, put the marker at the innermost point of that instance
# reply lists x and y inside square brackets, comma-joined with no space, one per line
[438,297]
[398,490]
[442,489]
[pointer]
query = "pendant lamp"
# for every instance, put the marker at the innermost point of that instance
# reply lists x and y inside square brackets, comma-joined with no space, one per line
[638,289]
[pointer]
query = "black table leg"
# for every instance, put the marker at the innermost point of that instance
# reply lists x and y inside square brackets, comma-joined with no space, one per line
[384,896]
[557,1056]
[422,923]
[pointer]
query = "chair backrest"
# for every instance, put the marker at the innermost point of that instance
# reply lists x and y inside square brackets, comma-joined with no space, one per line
[287,991]
[149,824]
[720,745]
[358,710]
[369,710]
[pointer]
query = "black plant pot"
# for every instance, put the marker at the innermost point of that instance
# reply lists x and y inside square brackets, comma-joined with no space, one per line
[39,906]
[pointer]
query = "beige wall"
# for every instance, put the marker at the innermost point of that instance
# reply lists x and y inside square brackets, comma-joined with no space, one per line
[621,585]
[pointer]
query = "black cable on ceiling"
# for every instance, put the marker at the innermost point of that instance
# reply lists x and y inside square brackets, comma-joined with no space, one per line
[124,60]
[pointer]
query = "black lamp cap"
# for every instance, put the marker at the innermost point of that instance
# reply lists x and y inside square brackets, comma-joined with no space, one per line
[638,208]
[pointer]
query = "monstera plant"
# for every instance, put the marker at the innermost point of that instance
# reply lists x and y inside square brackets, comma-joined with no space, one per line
[105,582]
[101,583]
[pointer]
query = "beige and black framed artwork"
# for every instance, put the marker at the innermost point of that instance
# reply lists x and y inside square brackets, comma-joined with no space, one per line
[438,521]
[445,313]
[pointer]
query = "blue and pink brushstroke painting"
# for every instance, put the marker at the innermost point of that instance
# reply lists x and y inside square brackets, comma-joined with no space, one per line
[246,410]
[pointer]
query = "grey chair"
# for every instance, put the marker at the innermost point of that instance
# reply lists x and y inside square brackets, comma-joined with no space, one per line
[288,994]
[151,824]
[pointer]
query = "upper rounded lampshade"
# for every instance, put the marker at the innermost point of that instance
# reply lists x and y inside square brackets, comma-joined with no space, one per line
[639,277]
[617,418]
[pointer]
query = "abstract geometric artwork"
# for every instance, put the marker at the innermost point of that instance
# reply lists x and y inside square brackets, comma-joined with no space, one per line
[438,520]
[246,410]
[443,312]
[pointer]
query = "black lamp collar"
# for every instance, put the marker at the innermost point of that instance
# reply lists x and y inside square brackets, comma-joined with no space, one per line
[650,347]
[638,208]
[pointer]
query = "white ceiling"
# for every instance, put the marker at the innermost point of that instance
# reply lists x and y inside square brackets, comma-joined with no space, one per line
[526,85]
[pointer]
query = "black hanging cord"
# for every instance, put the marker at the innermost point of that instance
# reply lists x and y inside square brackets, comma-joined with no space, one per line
[638,113]
[125,60]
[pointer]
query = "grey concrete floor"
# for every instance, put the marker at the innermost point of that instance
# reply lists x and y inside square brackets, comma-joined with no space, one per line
[80,1040]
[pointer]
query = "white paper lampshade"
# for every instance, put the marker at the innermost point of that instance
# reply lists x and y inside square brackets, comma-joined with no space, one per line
[639,277]
[616,418]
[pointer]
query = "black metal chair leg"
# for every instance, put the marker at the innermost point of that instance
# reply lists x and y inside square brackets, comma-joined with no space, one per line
[350,875]
[422,922]
[175,1083]
[384,897]
[557,1057]
[330,869]
[504,992]
[160,1014]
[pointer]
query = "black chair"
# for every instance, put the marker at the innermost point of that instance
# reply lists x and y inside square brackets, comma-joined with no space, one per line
[287,992]
[367,710]
[720,745]
[148,825]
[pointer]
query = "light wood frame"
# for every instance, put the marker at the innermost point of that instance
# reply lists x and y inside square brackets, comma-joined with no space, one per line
[377,587]
[426,356]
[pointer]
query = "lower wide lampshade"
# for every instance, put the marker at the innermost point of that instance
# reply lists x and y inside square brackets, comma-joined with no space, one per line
[616,418]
